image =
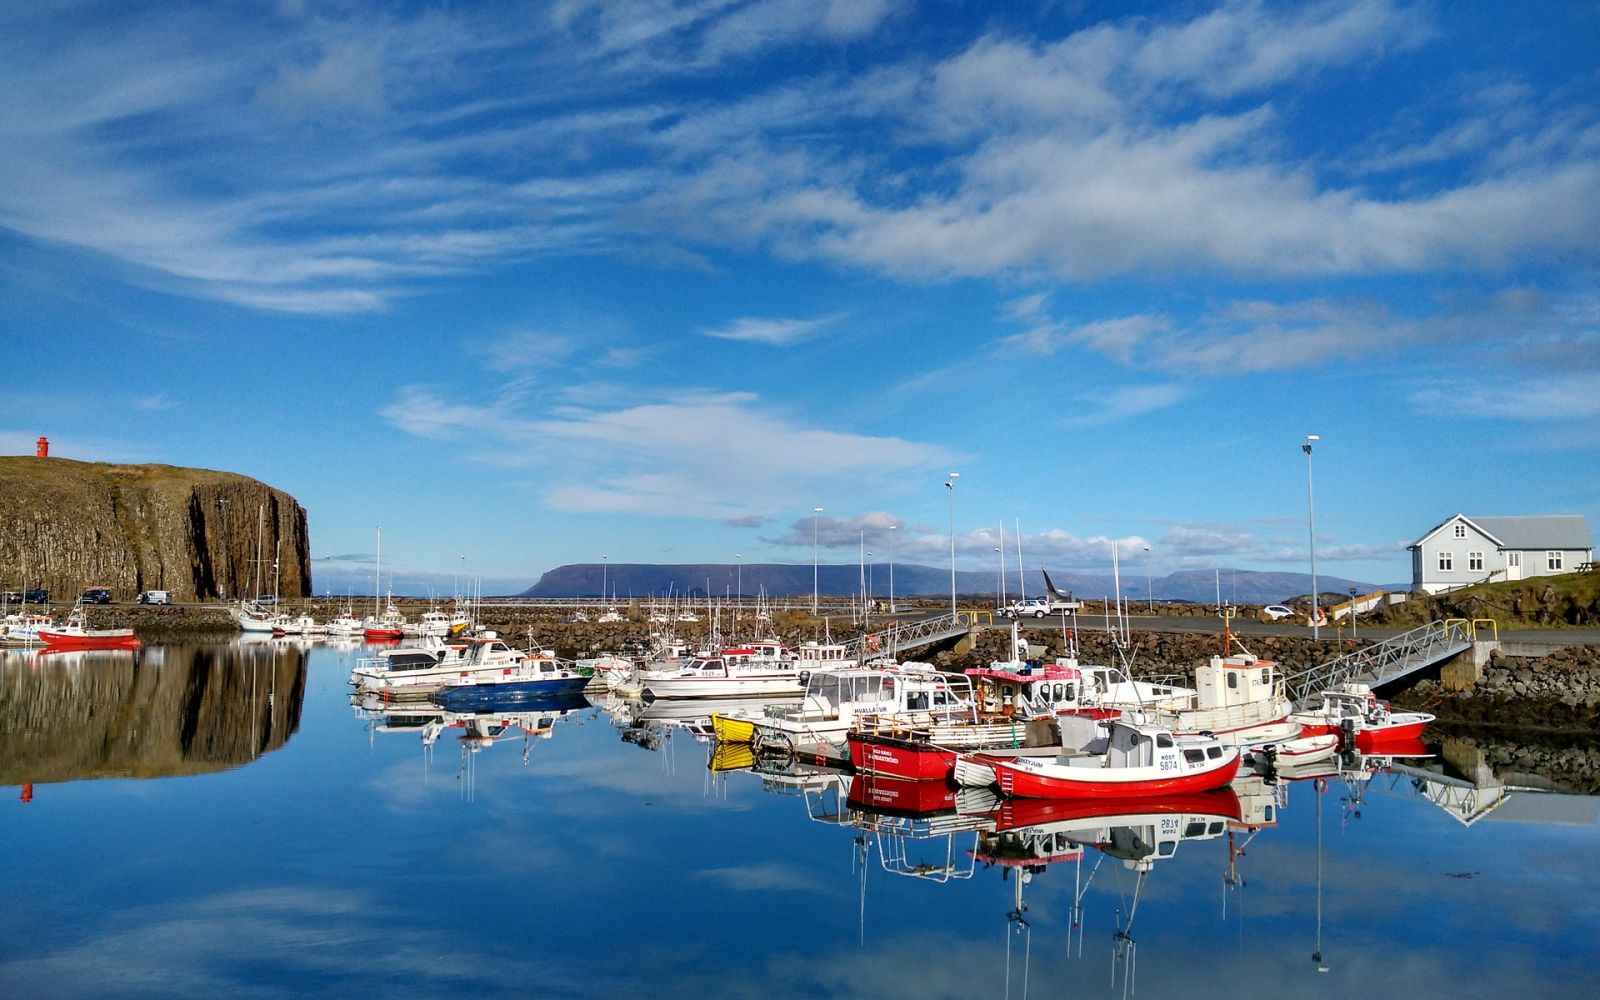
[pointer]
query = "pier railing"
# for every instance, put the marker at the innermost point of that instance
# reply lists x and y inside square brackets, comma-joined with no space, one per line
[1389,660]
[892,641]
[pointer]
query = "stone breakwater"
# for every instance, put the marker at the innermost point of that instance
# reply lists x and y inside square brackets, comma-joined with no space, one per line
[1558,692]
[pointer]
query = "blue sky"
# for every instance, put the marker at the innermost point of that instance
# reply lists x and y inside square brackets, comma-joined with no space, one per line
[529,284]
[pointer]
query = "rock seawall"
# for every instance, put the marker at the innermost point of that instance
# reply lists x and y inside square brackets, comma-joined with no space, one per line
[1559,692]
[66,526]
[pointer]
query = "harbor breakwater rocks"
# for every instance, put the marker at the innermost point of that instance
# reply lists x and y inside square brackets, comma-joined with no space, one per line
[67,526]
[1559,692]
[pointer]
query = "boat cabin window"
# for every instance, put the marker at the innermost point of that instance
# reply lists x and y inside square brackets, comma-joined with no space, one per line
[1194,756]
[1196,828]
[1166,850]
[1163,740]
[1215,829]
[1214,752]
[1233,680]
[917,701]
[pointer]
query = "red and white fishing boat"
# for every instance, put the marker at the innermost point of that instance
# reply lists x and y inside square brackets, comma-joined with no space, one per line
[389,625]
[76,634]
[1358,717]
[1141,759]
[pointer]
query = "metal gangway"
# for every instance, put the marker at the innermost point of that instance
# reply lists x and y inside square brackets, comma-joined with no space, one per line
[893,641]
[1391,659]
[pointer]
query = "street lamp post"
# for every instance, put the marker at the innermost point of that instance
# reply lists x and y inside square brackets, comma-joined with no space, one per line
[1311,538]
[738,584]
[605,566]
[1149,588]
[814,512]
[891,569]
[1000,578]
[950,485]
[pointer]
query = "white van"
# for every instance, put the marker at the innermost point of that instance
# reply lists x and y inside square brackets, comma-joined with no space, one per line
[156,597]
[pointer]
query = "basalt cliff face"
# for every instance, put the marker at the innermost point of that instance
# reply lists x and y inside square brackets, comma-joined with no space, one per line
[66,526]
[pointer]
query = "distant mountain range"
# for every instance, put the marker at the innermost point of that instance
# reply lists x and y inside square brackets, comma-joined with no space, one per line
[781,580]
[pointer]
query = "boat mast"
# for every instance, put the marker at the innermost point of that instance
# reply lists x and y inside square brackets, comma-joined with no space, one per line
[377,576]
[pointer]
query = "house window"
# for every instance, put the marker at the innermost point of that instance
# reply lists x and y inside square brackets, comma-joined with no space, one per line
[1514,560]
[1447,562]
[1475,562]
[1552,561]
[1461,531]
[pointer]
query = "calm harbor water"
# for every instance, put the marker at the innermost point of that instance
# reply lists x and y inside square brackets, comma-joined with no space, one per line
[220,819]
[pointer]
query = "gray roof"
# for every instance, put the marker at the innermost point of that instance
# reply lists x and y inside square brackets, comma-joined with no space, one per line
[1550,531]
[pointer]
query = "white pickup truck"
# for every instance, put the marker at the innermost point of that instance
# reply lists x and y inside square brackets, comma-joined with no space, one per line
[1037,607]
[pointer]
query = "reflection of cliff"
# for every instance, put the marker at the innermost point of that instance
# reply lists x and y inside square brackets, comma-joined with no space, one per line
[154,712]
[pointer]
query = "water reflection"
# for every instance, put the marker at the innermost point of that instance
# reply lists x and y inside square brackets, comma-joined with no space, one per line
[154,712]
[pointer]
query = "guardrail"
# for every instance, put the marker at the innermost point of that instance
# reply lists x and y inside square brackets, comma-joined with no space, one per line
[889,642]
[1390,659]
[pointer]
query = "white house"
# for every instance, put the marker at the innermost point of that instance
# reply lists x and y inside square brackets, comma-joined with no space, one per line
[1466,550]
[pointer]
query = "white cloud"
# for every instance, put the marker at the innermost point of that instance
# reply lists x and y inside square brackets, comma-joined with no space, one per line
[659,457]
[776,332]
[1534,398]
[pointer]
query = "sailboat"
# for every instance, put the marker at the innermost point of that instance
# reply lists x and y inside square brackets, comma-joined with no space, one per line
[251,616]
[390,624]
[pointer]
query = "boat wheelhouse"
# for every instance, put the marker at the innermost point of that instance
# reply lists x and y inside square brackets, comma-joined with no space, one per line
[1140,759]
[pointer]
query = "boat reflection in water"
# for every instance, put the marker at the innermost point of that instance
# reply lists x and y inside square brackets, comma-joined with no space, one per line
[530,718]
[145,713]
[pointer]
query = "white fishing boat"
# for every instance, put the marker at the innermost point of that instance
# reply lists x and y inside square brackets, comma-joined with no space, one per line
[430,622]
[754,669]
[345,625]
[432,663]
[1238,697]
[835,699]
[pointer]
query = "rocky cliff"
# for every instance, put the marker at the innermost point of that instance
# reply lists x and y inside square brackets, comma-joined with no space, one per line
[66,526]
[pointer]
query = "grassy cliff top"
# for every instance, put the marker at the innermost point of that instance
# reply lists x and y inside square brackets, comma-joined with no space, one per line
[1571,600]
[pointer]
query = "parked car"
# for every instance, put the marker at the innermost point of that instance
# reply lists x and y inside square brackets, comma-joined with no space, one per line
[96,595]
[36,596]
[1273,612]
[156,597]
[267,599]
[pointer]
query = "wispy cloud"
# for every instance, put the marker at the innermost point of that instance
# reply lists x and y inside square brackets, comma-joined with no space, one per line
[776,332]
[310,165]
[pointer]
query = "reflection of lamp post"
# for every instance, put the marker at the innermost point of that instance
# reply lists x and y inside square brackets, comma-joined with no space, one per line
[950,485]
[814,512]
[1311,538]
[1316,956]
[891,569]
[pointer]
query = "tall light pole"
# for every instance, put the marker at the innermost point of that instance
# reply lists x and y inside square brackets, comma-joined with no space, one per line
[605,566]
[814,512]
[950,486]
[1000,577]
[738,585]
[891,568]
[1311,538]
[1149,588]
